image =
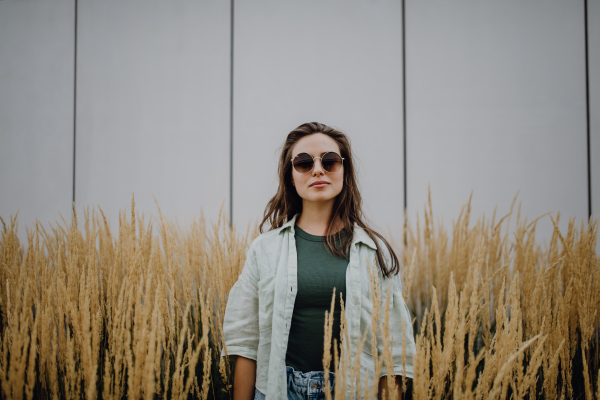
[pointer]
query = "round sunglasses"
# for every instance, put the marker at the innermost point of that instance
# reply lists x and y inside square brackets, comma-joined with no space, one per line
[331,161]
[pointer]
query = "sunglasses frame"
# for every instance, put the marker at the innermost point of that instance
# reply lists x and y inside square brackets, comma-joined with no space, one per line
[314,162]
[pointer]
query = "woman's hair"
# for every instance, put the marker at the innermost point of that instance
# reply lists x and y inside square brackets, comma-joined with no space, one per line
[347,207]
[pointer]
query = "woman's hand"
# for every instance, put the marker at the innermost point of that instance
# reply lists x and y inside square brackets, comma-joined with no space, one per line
[383,385]
[244,379]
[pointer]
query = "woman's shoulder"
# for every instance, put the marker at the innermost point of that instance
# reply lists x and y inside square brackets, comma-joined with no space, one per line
[373,242]
[372,245]
[268,239]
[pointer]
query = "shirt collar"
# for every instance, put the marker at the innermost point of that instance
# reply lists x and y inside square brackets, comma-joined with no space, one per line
[290,224]
[360,235]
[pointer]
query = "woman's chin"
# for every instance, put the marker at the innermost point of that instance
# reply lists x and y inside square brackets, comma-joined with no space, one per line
[320,199]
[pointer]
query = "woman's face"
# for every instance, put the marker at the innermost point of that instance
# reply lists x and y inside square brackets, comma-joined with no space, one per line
[317,186]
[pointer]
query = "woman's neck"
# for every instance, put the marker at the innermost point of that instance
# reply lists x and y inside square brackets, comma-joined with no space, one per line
[315,219]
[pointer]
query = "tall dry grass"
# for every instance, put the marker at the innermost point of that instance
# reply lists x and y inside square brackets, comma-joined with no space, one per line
[88,312]
[498,314]
[92,312]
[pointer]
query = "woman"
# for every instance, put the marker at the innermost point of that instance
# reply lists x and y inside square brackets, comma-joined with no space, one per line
[318,241]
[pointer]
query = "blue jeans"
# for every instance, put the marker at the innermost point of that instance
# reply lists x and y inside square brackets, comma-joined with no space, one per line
[304,386]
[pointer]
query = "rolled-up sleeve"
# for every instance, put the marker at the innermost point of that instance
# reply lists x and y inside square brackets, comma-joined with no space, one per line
[240,324]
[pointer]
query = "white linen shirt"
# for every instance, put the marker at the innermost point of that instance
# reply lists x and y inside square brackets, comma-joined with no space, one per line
[261,303]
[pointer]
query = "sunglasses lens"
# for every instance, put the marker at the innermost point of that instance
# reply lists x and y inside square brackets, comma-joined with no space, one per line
[303,163]
[332,162]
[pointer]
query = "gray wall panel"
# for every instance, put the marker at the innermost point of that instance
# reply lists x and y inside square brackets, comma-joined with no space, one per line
[594,88]
[496,104]
[337,62]
[153,106]
[36,110]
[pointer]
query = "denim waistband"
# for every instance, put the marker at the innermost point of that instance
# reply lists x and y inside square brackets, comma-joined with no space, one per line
[309,384]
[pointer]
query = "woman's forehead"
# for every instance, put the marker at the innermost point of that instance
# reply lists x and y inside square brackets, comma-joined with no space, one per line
[316,145]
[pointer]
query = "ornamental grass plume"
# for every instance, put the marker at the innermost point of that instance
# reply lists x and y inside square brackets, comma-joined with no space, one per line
[91,311]
[519,319]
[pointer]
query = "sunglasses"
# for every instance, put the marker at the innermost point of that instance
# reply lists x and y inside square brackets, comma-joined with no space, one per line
[331,161]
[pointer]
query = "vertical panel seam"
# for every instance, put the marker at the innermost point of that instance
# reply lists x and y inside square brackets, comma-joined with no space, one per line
[587,109]
[404,113]
[74,103]
[231,116]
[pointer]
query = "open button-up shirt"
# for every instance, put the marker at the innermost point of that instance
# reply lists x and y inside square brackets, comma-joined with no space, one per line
[261,303]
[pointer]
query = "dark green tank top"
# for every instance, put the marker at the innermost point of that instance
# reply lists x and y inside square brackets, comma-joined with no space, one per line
[319,272]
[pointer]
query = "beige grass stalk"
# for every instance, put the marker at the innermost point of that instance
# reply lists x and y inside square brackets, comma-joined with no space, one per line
[499,383]
[409,277]
[204,345]
[327,346]
[444,355]
[551,374]
[371,387]
[356,369]
[528,384]
[16,379]
[468,318]
[388,361]
[586,318]
[421,377]
[342,371]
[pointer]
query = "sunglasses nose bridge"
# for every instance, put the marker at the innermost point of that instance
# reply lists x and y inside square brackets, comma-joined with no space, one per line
[320,163]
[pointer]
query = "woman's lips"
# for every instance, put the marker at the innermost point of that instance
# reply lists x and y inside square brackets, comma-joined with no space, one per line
[319,184]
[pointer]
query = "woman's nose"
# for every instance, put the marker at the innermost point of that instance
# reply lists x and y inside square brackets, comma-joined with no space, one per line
[318,168]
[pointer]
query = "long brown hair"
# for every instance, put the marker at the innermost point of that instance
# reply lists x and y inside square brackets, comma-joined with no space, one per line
[347,207]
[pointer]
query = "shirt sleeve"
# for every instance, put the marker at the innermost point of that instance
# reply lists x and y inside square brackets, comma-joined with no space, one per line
[240,324]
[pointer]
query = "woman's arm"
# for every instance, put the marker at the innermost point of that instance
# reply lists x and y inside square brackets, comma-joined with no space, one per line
[244,379]
[241,330]
[383,385]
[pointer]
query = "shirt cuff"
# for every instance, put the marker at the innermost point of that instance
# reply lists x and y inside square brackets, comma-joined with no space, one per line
[240,351]
[399,371]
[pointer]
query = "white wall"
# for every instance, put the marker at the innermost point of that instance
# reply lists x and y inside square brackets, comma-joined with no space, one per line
[496,104]
[36,110]
[153,106]
[336,62]
[594,82]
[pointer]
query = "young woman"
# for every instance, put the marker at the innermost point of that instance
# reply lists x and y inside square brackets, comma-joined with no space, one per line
[318,241]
